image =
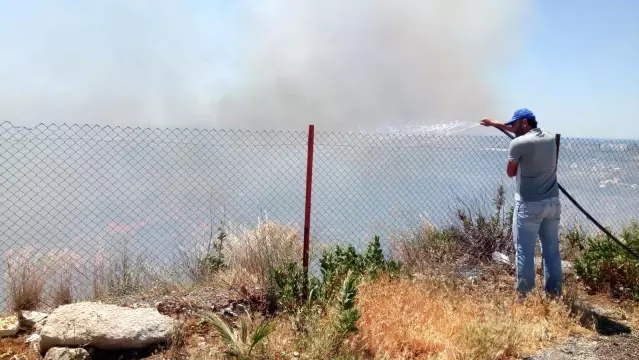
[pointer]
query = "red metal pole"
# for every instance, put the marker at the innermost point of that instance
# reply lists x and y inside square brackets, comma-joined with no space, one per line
[307,207]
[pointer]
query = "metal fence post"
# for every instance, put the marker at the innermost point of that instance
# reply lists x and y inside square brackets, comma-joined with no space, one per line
[558,143]
[307,207]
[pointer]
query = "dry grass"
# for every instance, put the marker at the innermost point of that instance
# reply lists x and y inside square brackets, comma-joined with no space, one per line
[422,246]
[121,273]
[467,244]
[61,288]
[37,278]
[26,283]
[61,293]
[253,252]
[471,239]
[17,348]
[177,349]
[436,317]
[440,316]
[432,318]
[316,339]
[405,319]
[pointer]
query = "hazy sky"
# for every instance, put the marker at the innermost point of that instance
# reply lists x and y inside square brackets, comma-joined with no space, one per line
[343,65]
[578,68]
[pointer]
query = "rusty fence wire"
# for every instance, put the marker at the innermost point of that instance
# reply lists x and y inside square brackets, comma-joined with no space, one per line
[92,211]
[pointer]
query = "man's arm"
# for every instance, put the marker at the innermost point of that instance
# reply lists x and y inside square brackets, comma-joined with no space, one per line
[515,148]
[511,169]
[514,157]
[497,124]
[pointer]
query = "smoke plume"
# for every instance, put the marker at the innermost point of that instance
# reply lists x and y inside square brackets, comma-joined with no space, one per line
[343,65]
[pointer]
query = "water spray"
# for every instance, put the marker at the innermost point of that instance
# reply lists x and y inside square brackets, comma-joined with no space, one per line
[587,214]
[439,129]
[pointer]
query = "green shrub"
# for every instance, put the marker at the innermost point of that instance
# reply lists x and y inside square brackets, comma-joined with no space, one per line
[212,260]
[286,283]
[349,314]
[337,262]
[573,243]
[605,266]
[374,261]
[286,287]
[201,265]
[332,296]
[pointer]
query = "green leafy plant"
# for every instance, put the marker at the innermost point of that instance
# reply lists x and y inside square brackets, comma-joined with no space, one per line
[213,259]
[348,313]
[286,285]
[242,341]
[201,264]
[374,261]
[333,294]
[331,297]
[336,263]
[605,266]
[573,243]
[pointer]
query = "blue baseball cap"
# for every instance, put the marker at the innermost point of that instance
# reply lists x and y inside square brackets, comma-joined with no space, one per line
[521,114]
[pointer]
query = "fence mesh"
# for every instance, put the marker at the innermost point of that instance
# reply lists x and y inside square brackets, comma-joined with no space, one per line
[108,211]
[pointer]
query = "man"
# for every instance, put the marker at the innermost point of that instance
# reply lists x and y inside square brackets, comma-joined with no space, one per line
[532,158]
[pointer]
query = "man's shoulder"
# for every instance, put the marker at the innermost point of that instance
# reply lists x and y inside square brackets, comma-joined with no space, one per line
[523,138]
[535,135]
[545,133]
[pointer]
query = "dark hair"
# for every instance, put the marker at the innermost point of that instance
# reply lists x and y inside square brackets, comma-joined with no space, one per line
[532,123]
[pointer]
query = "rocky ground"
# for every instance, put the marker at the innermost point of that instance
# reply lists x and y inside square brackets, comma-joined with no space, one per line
[613,337]
[130,327]
[617,347]
[161,311]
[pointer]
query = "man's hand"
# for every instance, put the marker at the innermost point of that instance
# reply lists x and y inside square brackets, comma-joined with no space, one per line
[488,122]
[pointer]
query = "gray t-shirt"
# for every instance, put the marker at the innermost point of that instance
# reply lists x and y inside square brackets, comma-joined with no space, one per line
[536,154]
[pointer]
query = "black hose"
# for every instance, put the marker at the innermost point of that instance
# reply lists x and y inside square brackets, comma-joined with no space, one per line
[592,219]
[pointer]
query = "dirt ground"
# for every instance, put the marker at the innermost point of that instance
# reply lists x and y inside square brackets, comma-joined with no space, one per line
[614,320]
[617,347]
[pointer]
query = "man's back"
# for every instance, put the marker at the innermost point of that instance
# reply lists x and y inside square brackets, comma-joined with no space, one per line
[536,154]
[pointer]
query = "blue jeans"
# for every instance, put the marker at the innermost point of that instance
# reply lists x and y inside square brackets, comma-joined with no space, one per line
[532,219]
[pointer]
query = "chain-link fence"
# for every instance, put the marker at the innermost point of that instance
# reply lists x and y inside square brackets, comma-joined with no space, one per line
[88,210]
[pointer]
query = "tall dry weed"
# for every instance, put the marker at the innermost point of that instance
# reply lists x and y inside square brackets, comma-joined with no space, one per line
[253,252]
[63,265]
[62,291]
[119,272]
[27,277]
[469,241]
[421,248]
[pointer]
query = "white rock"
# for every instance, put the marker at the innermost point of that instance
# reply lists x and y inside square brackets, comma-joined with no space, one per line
[60,353]
[33,319]
[105,326]
[9,325]
[501,258]
[567,267]
[33,338]
[34,341]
